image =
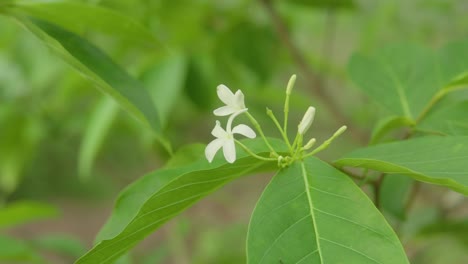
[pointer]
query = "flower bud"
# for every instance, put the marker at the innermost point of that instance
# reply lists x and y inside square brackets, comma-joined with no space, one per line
[309,144]
[306,120]
[291,82]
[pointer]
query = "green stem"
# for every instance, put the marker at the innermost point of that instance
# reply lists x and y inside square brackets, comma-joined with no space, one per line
[327,142]
[253,154]
[282,132]
[260,131]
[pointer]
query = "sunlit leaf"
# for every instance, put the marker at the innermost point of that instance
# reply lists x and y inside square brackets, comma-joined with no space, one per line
[159,196]
[97,66]
[312,213]
[437,160]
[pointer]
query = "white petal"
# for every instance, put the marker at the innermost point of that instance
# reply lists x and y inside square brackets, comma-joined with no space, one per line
[306,120]
[212,148]
[218,131]
[229,150]
[244,130]
[224,94]
[239,99]
[224,111]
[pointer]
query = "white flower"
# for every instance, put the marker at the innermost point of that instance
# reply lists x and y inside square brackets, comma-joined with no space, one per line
[234,102]
[225,139]
[306,120]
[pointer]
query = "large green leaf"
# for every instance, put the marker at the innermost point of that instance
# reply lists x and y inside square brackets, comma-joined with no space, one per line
[80,18]
[159,196]
[449,120]
[94,64]
[437,160]
[403,78]
[312,213]
[22,212]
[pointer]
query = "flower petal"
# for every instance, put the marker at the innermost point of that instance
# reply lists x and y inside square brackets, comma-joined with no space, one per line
[229,150]
[239,99]
[224,111]
[212,148]
[218,131]
[244,130]
[225,95]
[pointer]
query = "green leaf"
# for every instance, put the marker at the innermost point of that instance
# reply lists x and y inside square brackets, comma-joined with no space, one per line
[394,194]
[437,160]
[81,17]
[312,213]
[94,64]
[454,63]
[455,228]
[388,124]
[97,128]
[449,120]
[165,82]
[403,78]
[159,196]
[22,212]
[12,250]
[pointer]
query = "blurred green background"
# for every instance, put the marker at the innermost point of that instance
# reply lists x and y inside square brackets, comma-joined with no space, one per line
[64,143]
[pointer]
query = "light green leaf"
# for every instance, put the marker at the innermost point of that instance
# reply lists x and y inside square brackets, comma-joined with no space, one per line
[449,120]
[22,212]
[94,64]
[312,213]
[99,125]
[437,160]
[454,62]
[394,194]
[165,82]
[388,124]
[80,18]
[13,250]
[403,78]
[159,196]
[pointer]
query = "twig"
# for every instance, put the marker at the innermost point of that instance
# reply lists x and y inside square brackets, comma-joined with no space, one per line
[312,78]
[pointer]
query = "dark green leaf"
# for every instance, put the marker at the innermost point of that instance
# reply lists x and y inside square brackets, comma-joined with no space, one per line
[82,17]
[97,66]
[437,160]
[312,213]
[394,193]
[387,125]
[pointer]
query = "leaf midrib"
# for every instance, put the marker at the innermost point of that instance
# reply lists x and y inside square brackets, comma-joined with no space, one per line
[311,209]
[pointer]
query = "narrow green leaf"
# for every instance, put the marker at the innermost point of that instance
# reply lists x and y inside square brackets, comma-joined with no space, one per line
[159,196]
[81,17]
[449,120]
[437,160]
[312,213]
[94,64]
[386,125]
[96,130]
[22,212]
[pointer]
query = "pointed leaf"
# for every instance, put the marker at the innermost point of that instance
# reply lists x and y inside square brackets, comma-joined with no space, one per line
[159,196]
[437,160]
[312,213]
[94,64]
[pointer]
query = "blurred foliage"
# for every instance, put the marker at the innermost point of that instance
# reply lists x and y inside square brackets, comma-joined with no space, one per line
[60,138]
